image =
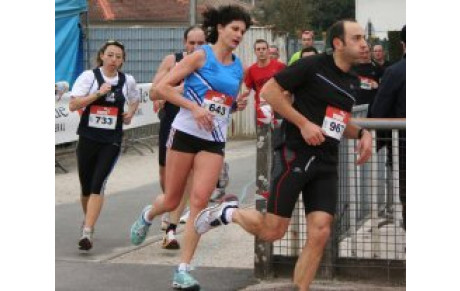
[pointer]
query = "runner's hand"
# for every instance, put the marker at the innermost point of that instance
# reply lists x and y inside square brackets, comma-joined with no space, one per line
[127,117]
[241,102]
[312,134]
[203,118]
[364,148]
[158,104]
[105,88]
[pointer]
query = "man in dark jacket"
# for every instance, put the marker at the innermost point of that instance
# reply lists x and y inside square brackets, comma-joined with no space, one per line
[390,102]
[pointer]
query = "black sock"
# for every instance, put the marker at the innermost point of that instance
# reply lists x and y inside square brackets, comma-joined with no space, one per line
[172,227]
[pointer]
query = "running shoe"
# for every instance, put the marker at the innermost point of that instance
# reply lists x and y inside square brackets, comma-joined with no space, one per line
[170,242]
[86,240]
[164,221]
[214,216]
[140,228]
[183,280]
[217,194]
[183,218]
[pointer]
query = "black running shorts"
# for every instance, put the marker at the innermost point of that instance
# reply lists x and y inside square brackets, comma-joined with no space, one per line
[297,171]
[95,163]
[186,143]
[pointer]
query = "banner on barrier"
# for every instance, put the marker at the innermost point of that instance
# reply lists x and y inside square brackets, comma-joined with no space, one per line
[66,122]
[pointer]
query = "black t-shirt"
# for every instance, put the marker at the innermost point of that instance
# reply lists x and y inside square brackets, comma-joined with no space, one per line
[317,83]
[369,75]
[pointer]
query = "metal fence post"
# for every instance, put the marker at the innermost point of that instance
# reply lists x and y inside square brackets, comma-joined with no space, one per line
[263,250]
[375,237]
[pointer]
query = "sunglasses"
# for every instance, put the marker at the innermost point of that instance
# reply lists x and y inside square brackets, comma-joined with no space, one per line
[115,42]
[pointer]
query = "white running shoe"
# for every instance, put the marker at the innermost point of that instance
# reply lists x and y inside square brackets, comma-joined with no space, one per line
[170,241]
[214,216]
[184,217]
[86,240]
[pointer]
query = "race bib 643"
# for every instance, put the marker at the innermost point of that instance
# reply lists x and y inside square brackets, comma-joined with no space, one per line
[219,104]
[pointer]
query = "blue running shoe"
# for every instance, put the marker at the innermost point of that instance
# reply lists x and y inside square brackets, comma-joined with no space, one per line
[184,281]
[140,228]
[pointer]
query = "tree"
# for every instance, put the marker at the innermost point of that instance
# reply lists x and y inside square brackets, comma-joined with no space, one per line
[325,12]
[285,16]
[294,16]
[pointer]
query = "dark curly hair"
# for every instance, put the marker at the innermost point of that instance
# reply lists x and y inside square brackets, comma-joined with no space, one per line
[223,16]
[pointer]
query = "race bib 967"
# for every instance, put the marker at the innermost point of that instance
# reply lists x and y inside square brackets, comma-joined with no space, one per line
[335,122]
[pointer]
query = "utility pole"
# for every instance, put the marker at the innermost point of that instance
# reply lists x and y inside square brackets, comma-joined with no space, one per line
[192,12]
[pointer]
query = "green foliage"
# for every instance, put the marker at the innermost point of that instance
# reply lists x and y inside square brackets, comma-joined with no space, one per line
[289,16]
[294,16]
[325,12]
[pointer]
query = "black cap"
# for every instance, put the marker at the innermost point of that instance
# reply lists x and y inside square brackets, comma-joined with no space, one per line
[403,34]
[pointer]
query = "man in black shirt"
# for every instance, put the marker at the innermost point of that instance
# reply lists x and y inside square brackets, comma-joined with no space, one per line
[307,163]
[390,102]
[369,74]
[378,55]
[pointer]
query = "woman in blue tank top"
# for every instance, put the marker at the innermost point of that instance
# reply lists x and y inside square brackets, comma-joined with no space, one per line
[213,75]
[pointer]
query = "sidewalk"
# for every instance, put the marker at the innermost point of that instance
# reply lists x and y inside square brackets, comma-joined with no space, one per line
[224,258]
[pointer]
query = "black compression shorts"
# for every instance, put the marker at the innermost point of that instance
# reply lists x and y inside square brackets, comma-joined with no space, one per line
[95,163]
[186,143]
[165,127]
[296,171]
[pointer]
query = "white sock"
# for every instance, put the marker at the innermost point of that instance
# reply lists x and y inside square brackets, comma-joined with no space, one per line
[87,229]
[184,267]
[229,214]
[146,218]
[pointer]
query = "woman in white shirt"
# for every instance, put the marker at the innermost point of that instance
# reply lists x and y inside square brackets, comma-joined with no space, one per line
[101,95]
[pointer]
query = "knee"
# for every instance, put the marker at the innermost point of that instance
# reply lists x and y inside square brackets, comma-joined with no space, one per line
[170,203]
[319,234]
[271,233]
[198,202]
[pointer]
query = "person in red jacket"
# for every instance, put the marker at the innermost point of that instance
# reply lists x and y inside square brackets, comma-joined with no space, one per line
[259,73]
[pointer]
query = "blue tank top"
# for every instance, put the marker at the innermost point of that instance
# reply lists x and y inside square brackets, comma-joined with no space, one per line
[213,76]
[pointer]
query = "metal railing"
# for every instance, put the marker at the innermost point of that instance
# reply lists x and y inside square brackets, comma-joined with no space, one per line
[145,137]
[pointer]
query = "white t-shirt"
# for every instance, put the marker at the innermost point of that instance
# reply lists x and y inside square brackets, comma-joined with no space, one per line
[86,84]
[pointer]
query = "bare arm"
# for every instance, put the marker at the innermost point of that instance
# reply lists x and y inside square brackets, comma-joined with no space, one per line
[166,88]
[78,102]
[275,95]
[132,107]
[165,67]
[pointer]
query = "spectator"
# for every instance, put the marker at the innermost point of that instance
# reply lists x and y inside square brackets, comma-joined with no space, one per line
[390,102]
[307,41]
[369,74]
[274,53]
[378,55]
[256,76]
